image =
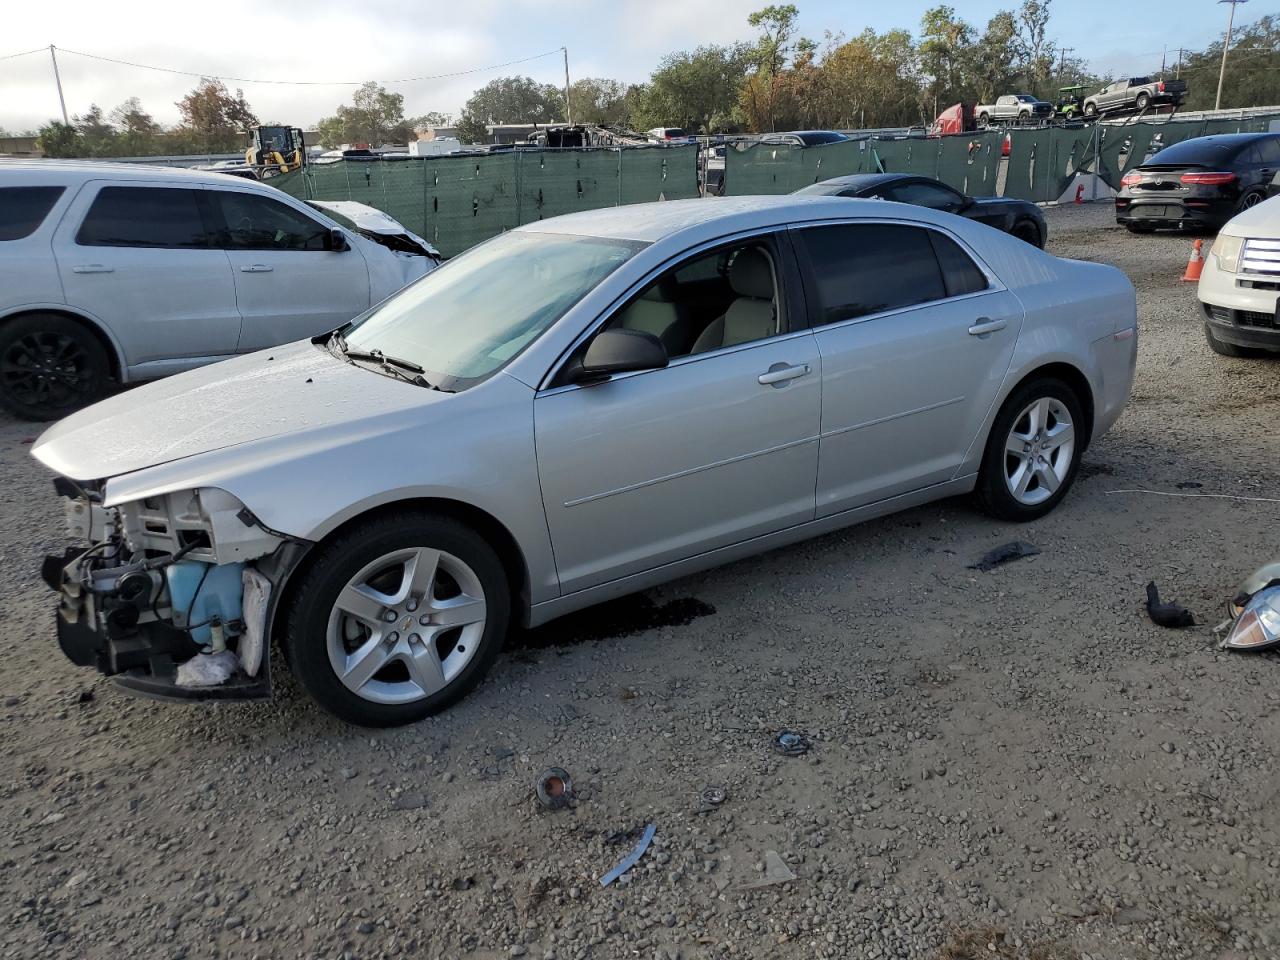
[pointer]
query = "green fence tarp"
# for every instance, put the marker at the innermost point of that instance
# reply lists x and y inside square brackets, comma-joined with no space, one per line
[456,202]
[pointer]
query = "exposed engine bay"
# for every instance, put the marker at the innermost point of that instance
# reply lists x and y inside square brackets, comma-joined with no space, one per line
[172,594]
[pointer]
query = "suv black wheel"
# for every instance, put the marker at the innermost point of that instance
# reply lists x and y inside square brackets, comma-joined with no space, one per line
[398,618]
[50,366]
[1033,451]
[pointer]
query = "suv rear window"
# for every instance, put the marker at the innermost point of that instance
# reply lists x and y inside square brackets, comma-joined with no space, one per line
[23,209]
[145,217]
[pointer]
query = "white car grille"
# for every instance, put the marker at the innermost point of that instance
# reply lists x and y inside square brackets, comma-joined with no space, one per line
[1261,256]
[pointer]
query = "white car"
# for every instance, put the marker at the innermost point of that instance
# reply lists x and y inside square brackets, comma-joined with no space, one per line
[576,409]
[115,272]
[1239,287]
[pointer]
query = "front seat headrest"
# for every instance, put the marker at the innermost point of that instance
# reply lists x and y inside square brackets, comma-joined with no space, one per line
[751,274]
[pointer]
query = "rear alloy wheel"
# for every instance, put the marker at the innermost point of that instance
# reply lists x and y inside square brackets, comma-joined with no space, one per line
[1251,199]
[398,619]
[1224,349]
[1090,110]
[1027,232]
[50,366]
[1142,101]
[1032,451]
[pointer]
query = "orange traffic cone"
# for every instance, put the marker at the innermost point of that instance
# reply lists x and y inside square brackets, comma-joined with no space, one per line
[1195,266]
[1079,193]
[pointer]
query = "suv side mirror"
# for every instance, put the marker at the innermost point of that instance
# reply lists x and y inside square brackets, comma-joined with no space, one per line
[619,351]
[336,241]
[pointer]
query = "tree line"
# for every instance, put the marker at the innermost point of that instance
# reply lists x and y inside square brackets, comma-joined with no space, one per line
[779,80]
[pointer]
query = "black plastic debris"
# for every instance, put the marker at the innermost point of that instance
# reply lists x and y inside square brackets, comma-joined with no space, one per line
[1005,553]
[710,798]
[555,788]
[789,743]
[1172,615]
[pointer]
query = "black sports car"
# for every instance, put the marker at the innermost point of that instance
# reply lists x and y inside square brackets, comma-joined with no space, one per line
[1017,217]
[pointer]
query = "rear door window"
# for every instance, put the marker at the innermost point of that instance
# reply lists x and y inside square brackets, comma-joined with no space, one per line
[23,209]
[145,217]
[861,269]
[1270,150]
[253,222]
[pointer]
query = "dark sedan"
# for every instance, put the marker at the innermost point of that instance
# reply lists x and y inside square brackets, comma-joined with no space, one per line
[1017,217]
[1202,182]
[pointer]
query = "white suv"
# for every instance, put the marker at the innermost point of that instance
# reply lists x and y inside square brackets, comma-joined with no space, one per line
[114,272]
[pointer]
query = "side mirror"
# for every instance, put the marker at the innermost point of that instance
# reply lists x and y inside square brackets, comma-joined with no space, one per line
[618,351]
[337,241]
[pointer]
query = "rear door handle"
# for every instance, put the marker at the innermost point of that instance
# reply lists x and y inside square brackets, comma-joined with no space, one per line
[92,268]
[256,268]
[782,374]
[985,326]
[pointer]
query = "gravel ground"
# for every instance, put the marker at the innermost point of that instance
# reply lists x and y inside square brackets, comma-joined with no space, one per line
[1005,764]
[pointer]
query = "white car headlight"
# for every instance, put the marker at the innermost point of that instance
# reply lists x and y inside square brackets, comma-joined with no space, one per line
[1226,250]
[1258,625]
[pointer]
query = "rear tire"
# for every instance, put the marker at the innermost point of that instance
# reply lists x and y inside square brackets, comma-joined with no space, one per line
[393,604]
[1142,101]
[1224,349]
[1251,199]
[1048,413]
[1028,232]
[1090,110]
[50,366]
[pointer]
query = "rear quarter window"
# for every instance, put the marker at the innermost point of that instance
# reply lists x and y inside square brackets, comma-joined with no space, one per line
[144,217]
[23,209]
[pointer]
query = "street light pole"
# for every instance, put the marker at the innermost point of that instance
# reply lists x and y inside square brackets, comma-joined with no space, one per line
[1226,45]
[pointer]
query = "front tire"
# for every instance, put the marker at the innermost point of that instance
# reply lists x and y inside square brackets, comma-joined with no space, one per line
[1224,349]
[1032,452]
[984,121]
[398,618]
[50,366]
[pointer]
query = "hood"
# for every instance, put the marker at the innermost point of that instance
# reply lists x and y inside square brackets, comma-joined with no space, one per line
[1261,221]
[374,223]
[293,389]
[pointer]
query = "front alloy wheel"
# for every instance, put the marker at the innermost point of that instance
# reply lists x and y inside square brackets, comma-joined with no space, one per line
[397,618]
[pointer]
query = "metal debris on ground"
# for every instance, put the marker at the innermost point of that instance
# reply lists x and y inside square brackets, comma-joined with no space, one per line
[1005,553]
[632,858]
[555,788]
[710,798]
[775,871]
[791,744]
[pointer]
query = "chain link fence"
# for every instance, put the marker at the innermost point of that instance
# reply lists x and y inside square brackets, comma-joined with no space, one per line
[457,201]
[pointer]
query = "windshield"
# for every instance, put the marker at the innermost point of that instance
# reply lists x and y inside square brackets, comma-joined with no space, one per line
[467,319]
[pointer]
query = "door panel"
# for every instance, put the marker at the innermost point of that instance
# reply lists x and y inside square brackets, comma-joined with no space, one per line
[905,394]
[138,257]
[288,285]
[653,467]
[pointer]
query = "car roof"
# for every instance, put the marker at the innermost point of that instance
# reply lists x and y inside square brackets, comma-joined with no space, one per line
[719,216]
[78,171]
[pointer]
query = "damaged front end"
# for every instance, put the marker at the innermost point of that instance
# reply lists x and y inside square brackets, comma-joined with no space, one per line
[171,595]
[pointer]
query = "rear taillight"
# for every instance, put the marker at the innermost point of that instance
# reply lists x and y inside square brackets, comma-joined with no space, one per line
[1208,179]
[1160,86]
[1130,179]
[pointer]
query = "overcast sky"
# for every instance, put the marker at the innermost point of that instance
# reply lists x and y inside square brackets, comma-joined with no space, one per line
[356,40]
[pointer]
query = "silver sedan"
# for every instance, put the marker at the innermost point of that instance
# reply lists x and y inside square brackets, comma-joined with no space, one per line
[575,410]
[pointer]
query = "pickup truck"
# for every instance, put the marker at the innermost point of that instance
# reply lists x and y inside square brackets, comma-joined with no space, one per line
[1013,108]
[1134,93]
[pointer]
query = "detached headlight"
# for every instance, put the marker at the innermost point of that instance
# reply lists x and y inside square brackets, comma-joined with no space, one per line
[1257,626]
[1227,252]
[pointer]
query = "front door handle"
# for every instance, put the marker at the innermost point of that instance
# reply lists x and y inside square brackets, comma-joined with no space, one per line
[985,326]
[782,373]
[257,268]
[93,268]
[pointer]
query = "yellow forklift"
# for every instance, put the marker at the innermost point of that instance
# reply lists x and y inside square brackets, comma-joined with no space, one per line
[276,150]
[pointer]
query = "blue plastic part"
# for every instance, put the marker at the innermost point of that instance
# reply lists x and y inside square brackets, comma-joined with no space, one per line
[217,593]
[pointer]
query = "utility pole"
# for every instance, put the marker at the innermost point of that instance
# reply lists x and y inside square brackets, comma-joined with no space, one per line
[58,80]
[1163,57]
[1179,73]
[1062,68]
[568,110]
[1226,44]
